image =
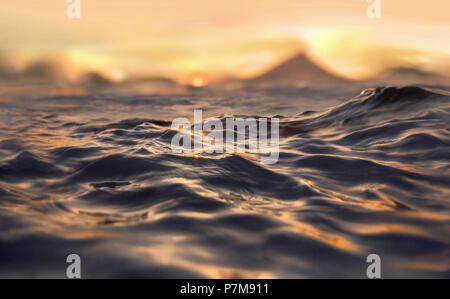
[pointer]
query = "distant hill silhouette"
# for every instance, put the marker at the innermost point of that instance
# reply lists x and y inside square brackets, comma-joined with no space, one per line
[408,75]
[297,69]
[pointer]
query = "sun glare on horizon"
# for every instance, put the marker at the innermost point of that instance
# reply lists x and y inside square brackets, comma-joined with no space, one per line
[198,82]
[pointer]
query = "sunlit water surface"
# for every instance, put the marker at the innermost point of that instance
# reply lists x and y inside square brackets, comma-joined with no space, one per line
[94,174]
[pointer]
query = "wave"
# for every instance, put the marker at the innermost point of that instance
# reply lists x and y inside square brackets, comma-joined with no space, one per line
[366,175]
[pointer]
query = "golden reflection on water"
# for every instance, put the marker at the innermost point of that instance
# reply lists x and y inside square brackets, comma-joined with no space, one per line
[303,229]
[54,206]
[196,259]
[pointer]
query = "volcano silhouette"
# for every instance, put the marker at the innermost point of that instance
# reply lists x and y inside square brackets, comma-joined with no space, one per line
[298,69]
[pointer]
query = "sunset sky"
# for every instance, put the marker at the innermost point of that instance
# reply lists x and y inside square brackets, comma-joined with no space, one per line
[227,38]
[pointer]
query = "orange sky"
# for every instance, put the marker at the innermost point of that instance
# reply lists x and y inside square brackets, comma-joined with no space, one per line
[230,38]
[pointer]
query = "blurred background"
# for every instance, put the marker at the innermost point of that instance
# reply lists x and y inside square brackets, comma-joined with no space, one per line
[198,42]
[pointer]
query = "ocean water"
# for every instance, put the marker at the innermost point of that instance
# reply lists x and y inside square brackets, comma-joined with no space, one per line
[93,174]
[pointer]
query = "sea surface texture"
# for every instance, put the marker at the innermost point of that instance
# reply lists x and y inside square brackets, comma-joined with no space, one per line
[358,173]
